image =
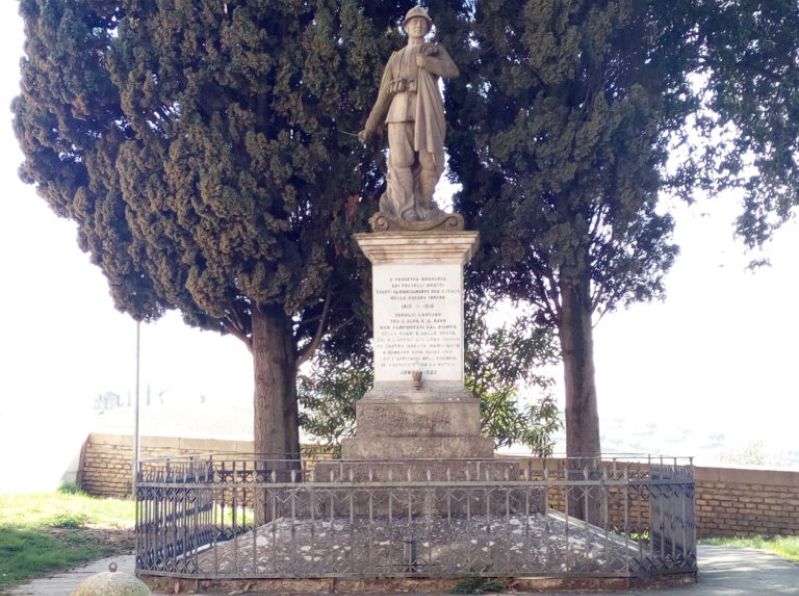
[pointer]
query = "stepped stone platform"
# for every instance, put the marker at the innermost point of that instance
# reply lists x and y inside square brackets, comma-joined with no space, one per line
[420,470]
[437,420]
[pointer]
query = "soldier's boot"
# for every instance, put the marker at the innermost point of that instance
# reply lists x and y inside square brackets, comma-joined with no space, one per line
[400,194]
[425,205]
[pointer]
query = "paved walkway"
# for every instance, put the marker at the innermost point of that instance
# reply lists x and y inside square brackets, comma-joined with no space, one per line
[723,571]
[63,583]
[727,571]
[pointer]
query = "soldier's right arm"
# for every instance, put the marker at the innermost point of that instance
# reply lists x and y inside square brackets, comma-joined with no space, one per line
[378,114]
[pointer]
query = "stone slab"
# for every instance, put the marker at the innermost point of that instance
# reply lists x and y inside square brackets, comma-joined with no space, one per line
[418,447]
[417,290]
[428,391]
[418,407]
[521,538]
[418,247]
[784,478]
[412,418]
[418,321]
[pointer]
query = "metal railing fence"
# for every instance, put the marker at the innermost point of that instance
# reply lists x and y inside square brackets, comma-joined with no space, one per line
[232,517]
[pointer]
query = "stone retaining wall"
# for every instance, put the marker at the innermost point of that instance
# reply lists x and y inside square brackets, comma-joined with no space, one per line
[746,502]
[729,501]
[107,460]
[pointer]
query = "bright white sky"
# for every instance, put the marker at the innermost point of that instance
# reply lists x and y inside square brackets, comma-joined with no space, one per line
[719,356]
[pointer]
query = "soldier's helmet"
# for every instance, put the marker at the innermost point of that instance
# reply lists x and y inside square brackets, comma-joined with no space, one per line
[418,11]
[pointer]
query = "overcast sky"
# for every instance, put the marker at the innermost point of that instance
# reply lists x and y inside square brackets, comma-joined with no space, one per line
[719,356]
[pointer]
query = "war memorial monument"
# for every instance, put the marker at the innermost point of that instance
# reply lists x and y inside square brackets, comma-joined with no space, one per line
[418,500]
[418,407]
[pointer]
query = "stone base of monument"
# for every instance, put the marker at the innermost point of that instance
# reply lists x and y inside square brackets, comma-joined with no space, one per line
[418,407]
[414,585]
[437,420]
[402,448]
[418,423]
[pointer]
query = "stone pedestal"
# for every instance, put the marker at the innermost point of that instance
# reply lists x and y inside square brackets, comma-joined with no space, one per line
[417,291]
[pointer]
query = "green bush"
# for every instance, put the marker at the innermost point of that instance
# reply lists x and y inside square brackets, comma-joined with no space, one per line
[70,488]
[478,585]
[68,521]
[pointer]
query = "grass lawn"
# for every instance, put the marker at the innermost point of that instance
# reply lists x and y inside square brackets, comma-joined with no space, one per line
[47,532]
[785,546]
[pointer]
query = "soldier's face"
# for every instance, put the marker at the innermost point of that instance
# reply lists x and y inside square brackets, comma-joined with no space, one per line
[416,27]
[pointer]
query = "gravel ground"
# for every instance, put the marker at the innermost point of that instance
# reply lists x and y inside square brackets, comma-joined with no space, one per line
[541,543]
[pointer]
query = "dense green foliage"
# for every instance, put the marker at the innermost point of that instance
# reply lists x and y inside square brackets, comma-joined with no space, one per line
[559,150]
[478,585]
[573,118]
[744,58]
[327,396]
[202,147]
[559,141]
[502,364]
[205,151]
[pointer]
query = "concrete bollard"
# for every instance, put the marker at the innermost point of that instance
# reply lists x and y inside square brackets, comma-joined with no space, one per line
[111,583]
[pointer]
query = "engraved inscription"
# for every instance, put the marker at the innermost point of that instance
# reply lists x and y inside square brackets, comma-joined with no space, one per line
[418,322]
[394,422]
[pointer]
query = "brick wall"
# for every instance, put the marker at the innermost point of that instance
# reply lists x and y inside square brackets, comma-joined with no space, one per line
[107,460]
[745,502]
[729,501]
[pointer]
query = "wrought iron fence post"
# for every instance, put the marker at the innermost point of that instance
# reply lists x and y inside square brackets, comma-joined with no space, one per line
[410,554]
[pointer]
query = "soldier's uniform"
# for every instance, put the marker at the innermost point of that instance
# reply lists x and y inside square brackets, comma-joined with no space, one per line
[409,103]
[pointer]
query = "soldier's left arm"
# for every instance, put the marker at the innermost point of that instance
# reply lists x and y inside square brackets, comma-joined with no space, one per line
[441,64]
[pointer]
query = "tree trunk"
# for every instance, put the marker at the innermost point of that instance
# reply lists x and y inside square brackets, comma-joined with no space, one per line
[276,431]
[275,413]
[582,421]
[577,349]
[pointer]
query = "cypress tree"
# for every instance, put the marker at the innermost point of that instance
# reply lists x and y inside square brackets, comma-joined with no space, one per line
[746,56]
[561,126]
[557,147]
[204,149]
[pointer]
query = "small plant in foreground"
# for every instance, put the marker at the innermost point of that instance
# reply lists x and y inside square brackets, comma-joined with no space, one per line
[70,488]
[478,585]
[69,521]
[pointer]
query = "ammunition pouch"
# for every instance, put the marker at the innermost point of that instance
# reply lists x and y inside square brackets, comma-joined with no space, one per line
[402,86]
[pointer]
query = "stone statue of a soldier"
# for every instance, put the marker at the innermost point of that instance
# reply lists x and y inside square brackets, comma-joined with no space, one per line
[409,103]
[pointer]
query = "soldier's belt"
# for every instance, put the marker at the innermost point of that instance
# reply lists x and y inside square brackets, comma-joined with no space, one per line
[401,86]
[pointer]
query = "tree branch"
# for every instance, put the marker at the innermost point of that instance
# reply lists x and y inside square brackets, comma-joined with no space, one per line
[748,66]
[308,351]
[308,320]
[236,331]
[234,323]
[545,304]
